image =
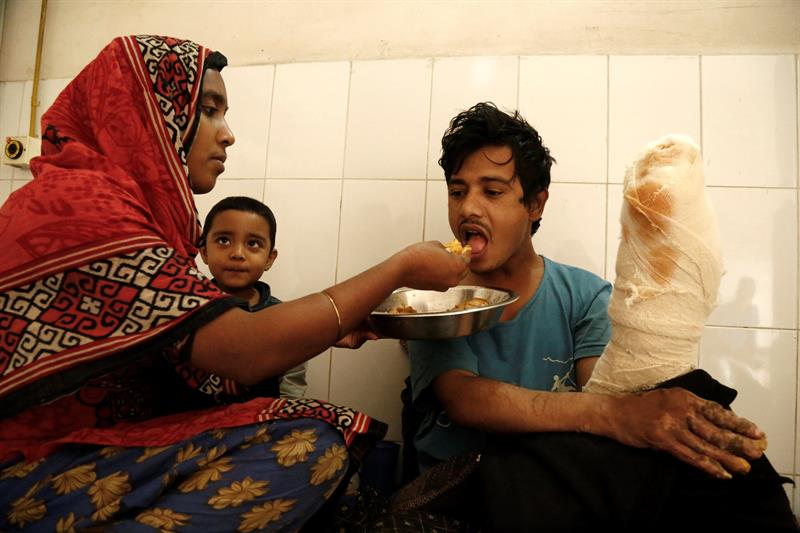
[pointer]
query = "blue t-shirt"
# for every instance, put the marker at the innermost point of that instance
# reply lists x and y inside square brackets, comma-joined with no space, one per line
[564,321]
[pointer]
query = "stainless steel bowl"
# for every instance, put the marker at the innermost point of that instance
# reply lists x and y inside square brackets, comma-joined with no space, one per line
[433,319]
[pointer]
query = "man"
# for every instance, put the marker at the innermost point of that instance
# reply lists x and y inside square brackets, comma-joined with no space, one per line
[522,376]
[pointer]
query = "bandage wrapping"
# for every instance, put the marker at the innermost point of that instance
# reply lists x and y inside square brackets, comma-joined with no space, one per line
[668,270]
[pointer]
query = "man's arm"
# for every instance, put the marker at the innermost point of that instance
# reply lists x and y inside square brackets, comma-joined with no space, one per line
[583,369]
[694,430]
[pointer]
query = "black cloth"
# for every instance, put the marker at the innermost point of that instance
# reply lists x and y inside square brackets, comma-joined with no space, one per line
[569,482]
[265,298]
[411,419]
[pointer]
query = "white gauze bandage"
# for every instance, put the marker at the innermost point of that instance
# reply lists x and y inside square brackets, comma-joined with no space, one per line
[667,272]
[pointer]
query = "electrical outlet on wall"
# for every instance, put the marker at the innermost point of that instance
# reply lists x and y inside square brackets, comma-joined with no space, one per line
[18,151]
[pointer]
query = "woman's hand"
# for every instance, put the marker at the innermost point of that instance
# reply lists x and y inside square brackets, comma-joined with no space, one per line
[427,265]
[697,431]
[357,337]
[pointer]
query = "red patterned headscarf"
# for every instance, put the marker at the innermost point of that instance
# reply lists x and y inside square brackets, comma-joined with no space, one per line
[97,252]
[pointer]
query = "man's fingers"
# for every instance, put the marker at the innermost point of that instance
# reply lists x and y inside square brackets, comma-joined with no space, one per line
[721,429]
[728,419]
[728,460]
[705,463]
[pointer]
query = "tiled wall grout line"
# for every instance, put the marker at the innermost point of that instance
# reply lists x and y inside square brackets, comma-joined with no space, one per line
[606,273]
[700,96]
[751,328]
[269,125]
[341,202]
[797,261]
[519,66]
[427,157]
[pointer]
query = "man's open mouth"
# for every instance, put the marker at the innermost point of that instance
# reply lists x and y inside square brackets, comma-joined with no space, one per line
[475,236]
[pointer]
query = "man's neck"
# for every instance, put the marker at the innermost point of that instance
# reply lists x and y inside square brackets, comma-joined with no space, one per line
[522,274]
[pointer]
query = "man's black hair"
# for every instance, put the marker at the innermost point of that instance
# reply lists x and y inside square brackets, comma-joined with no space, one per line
[241,203]
[485,125]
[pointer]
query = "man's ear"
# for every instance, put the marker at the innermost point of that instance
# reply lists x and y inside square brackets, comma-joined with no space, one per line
[273,255]
[536,208]
[204,254]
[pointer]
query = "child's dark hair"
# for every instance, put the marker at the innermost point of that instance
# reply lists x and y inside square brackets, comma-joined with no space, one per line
[485,125]
[241,203]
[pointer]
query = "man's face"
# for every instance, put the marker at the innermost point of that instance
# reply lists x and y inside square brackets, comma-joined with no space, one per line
[206,159]
[485,208]
[238,249]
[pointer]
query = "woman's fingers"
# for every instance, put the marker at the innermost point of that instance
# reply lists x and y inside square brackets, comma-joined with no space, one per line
[429,266]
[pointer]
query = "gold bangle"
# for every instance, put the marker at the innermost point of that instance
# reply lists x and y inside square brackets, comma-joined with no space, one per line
[338,315]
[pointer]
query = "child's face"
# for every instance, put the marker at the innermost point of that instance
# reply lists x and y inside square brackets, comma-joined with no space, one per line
[238,249]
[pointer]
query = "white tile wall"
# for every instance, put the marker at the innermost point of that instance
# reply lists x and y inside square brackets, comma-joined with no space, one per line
[758,229]
[20,179]
[249,98]
[749,120]
[612,229]
[648,97]
[10,110]
[309,113]
[341,151]
[5,190]
[460,83]
[436,225]
[318,376]
[378,219]
[566,99]
[561,239]
[389,107]
[379,394]
[307,214]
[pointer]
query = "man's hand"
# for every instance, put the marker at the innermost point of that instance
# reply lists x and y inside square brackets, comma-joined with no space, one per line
[699,432]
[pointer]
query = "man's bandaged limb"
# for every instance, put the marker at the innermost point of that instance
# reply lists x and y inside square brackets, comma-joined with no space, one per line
[668,270]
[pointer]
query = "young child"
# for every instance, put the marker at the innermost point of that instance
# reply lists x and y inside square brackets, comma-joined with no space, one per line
[238,245]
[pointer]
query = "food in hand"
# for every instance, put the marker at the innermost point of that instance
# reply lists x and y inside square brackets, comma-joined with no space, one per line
[668,270]
[455,247]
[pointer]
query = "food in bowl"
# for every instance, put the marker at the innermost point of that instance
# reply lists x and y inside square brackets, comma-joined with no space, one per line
[472,303]
[402,310]
[425,314]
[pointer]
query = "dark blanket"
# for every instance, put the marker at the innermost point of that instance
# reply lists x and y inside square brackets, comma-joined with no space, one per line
[568,482]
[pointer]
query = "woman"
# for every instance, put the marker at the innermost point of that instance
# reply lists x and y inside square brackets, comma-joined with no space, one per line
[123,371]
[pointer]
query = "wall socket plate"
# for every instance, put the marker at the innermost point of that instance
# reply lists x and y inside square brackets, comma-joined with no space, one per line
[19,150]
